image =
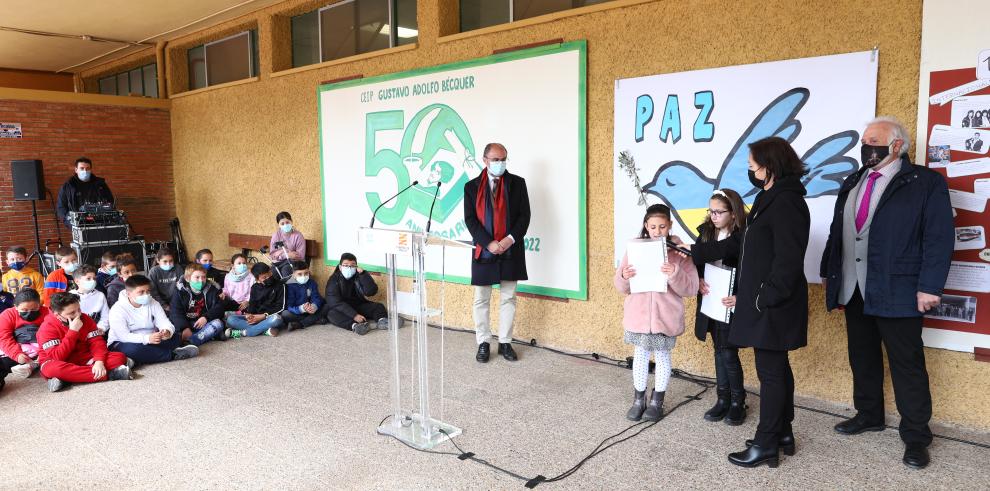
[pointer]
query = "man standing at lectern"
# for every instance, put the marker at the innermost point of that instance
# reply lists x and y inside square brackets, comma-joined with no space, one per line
[885,263]
[496,212]
[82,188]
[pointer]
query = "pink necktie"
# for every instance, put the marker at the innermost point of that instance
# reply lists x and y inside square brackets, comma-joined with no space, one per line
[864,204]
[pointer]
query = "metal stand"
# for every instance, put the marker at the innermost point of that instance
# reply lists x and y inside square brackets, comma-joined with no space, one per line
[37,242]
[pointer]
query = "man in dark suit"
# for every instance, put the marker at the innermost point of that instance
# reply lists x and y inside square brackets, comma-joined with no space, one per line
[885,262]
[496,212]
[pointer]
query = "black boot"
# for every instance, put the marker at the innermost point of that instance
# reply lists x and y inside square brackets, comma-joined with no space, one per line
[721,407]
[755,456]
[654,411]
[639,405]
[737,409]
[785,443]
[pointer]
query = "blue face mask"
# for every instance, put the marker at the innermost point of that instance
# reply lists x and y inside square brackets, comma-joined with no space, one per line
[17,265]
[496,167]
[286,228]
[166,267]
[206,266]
[240,268]
[142,299]
[112,271]
[84,175]
[348,271]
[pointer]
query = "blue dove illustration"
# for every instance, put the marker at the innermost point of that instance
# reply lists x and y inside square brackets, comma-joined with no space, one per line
[683,187]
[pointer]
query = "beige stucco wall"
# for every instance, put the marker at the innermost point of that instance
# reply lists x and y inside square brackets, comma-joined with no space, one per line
[245,152]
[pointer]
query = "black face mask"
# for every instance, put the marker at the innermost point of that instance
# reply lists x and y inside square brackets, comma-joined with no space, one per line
[29,315]
[269,282]
[871,155]
[756,182]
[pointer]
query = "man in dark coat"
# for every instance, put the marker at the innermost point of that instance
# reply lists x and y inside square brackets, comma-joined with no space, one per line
[82,188]
[496,212]
[885,262]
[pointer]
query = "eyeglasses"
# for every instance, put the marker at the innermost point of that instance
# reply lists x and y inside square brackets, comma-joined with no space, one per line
[717,213]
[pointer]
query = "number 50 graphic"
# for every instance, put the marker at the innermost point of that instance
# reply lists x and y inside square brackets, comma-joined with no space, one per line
[435,147]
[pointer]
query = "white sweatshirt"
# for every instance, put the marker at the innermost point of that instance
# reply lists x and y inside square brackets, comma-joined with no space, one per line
[130,324]
[94,304]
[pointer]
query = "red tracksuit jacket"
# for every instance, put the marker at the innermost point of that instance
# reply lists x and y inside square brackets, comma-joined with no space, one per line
[10,320]
[58,342]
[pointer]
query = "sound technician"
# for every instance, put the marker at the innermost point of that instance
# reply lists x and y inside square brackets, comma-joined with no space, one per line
[82,188]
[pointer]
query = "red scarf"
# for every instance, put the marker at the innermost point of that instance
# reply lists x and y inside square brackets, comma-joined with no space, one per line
[499,211]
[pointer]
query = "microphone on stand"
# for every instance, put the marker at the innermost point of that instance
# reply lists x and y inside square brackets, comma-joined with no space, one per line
[429,220]
[386,202]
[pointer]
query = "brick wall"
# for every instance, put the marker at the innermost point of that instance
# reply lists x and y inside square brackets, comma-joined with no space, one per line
[130,147]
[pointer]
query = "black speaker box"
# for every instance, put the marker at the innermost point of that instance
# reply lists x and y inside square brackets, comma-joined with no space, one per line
[91,253]
[29,180]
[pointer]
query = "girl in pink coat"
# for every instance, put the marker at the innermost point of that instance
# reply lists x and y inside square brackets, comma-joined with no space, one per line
[653,320]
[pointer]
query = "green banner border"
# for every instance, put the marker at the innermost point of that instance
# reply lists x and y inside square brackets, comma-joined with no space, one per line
[582,47]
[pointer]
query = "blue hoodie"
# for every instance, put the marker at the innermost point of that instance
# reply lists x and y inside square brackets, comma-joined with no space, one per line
[296,295]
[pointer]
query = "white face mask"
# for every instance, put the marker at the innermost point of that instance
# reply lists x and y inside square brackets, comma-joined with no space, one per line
[87,285]
[71,267]
[286,228]
[302,280]
[348,271]
[496,167]
[142,299]
[84,175]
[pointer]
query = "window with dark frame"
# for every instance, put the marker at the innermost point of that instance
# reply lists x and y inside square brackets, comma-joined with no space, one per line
[225,60]
[477,14]
[142,80]
[352,27]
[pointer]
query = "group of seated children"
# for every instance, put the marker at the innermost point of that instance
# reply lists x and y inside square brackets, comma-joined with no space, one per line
[87,324]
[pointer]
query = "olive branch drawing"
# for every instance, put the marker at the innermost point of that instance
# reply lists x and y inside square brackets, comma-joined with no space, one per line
[628,163]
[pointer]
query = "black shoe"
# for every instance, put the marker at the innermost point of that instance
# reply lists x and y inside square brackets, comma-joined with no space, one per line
[755,456]
[916,456]
[484,350]
[785,443]
[654,410]
[292,326]
[721,407]
[737,410]
[505,349]
[639,405]
[857,425]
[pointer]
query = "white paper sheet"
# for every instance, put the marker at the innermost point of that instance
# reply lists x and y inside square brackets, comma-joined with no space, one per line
[969,238]
[982,187]
[967,201]
[968,112]
[968,167]
[968,276]
[647,256]
[720,286]
[960,139]
[943,97]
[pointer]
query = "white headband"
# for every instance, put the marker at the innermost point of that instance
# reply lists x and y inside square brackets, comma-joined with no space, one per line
[719,192]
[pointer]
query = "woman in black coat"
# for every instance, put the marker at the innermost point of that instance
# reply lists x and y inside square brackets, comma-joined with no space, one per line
[719,238]
[771,305]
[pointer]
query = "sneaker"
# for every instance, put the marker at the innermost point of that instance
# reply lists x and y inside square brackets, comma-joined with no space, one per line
[272,331]
[383,323]
[122,372]
[185,352]
[233,333]
[292,326]
[130,364]
[361,328]
[23,371]
[55,385]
